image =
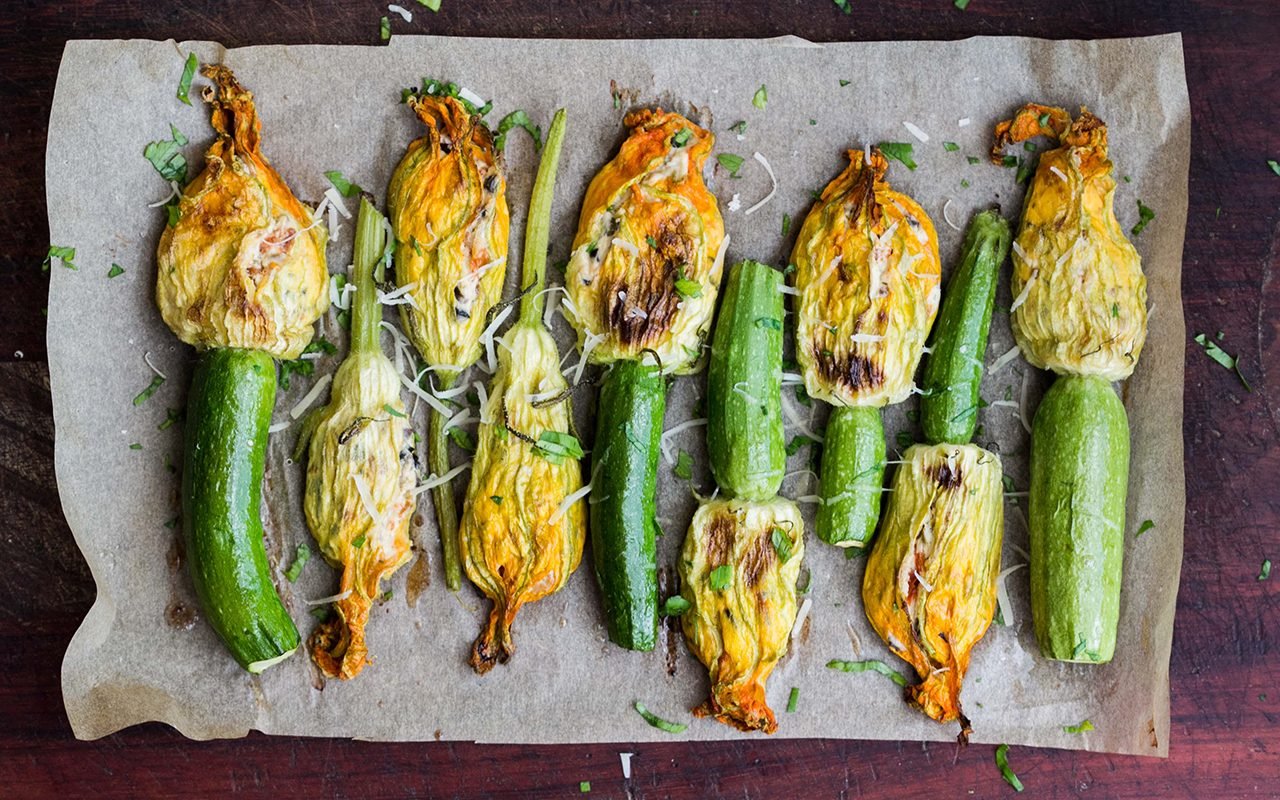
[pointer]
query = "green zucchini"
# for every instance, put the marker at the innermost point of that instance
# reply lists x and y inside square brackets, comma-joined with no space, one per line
[852,477]
[624,477]
[1079,477]
[228,412]
[744,385]
[953,374]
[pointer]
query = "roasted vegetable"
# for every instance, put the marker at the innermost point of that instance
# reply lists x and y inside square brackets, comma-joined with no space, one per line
[1080,298]
[641,284]
[930,583]
[243,265]
[360,470]
[738,571]
[1079,478]
[744,385]
[867,273]
[953,371]
[240,274]
[523,524]
[448,208]
[649,249]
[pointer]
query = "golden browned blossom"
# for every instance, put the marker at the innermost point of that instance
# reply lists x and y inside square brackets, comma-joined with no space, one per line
[738,570]
[448,208]
[930,583]
[649,250]
[868,273]
[244,263]
[521,536]
[1080,297]
[359,500]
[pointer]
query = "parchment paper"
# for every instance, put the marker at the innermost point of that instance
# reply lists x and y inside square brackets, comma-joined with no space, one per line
[139,655]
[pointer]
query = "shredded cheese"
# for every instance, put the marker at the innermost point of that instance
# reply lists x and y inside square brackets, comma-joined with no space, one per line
[147,358]
[735,202]
[964,123]
[946,217]
[626,765]
[486,336]
[773,189]
[801,616]
[279,426]
[1009,355]
[791,290]
[866,338]
[1059,173]
[1002,595]
[628,246]
[404,13]
[568,502]
[366,499]
[664,443]
[915,131]
[1026,290]
[310,397]
[434,481]
[333,598]
[1024,403]
[811,499]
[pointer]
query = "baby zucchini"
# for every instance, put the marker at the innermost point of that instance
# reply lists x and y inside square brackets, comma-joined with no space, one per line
[852,477]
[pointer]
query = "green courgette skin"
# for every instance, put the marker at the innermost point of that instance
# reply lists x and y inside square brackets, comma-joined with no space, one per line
[624,478]
[1079,477]
[228,413]
[953,373]
[744,385]
[852,477]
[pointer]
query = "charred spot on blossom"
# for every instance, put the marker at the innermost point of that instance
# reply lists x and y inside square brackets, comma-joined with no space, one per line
[491,184]
[756,562]
[858,372]
[948,475]
[720,535]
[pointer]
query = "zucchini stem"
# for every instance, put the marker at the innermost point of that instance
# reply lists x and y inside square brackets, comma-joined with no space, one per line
[538,226]
[366,314]
[442,496]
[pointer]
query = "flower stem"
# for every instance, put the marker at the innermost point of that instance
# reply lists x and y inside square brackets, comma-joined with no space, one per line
[538,227]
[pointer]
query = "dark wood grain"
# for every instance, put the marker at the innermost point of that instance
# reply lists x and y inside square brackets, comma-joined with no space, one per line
[1225,669]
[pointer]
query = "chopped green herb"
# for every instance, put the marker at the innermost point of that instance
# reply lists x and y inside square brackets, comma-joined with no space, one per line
[172,522]
[322,613]
[652,242]
[964,183]
[962,4]
[188,72]
[844,82]
[1227,360]
[1145,215]
[684,465]
[950,147]
[786,226]
[1043,120]
[145,395]
[1030,147]
[797,443]
[65,255]
[305,366]
[813,122]
[115,270]
[760,98]
[1115,309]
[731,162]
[555,446]
[802,396]
[166,156]
[899,151]
[870,665]
[721,577]
[386,595]
[1024,170]
[434,5]
[843,5]
[583,786]
[359,541]
[793,699]
[171,415]
[1275,166]
[1127,179]
[769,322]
[781,544]
[675,606]
[904,439]
[1002,759]
[1265,572]
[973,159]
[658,722]
[135,446]
[739,127]
[518,119]
[384,29]
[496,498]
[1081,728]
[681,137]
[1144,527]
[345,187]
[464,439]
[387,407]
[686,287]
[1009,162]
[300,558]
[173,213]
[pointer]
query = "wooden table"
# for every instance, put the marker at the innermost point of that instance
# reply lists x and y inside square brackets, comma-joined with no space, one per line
[1225,669]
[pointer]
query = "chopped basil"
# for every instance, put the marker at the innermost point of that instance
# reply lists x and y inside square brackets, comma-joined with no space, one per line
[973,159]
[681,137]
[1127,179]
[583,786]
[1221,356]
[434,87]
[769,322]
[658,722]
[303,366]
[793,699]
[1025,169]
[1002,757]
[843,5]
[786,226]
[65,255]
[686,287]
[870,665]
[1081,728]
[518,119]
[115,270]
[904,439]
[166,156]
[899,151]
[172,214]
[1275,166]
[322,613]
[135,446]
[1043,120]
[802,396]
[496,498]
[950,147]
[171,415]
[1009,162]
[1144,527]
[652,242]
[760,98]
[359,541]
[684,465]
[964,183]
[384,29]
[721,577]
[1115,309]
[345,187]
[145,395]
[797,443]
[739,127]
[1030,147]
[844,82]
[1145,215]
[675,606]
[387,407]
[813,122]
[300,558]
[555,446]
[434,5]
[962,4]
[731,162]
[463,439]
[188,72]
[781,544]
[1265,572]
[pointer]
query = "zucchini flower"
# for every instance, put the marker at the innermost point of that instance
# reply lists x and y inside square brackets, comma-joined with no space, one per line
[448,207]
[1080,298]
[738,570]
[868,273]
[243,265]
[930,583]
[360,471]
[649,250]
[523,526]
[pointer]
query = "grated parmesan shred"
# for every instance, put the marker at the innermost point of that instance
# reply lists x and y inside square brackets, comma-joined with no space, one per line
[915,131]
[366,499]
[772,191]
[567,503]
[310,397]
